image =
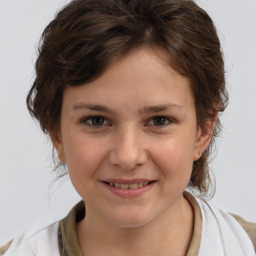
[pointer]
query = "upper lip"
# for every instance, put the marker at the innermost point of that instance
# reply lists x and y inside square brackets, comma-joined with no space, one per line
[125,181]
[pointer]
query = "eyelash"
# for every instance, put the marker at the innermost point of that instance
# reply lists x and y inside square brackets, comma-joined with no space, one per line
[89,121]
[167,121]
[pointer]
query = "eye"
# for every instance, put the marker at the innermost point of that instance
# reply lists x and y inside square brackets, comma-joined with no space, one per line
[159,121]
[95,121]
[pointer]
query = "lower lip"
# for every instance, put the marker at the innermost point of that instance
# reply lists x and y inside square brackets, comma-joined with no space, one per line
[129,193]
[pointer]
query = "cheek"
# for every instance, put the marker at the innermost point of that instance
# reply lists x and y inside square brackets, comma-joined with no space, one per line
[174,158]
[83,156]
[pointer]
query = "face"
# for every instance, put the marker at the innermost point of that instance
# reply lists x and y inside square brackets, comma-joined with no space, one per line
[130,138]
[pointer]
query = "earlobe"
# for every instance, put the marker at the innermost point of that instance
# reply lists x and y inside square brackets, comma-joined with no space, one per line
[61,154]
[58,145]
[204,136]
[197,154]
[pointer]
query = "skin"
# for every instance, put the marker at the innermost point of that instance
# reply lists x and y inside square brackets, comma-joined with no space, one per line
[129,142]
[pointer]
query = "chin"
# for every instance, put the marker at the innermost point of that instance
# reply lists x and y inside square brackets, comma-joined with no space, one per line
[130,220]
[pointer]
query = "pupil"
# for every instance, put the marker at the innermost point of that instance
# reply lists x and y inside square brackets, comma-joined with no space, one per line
[159,121]
[97,121]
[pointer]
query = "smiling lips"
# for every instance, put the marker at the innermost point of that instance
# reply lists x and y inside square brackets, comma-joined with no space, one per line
[129,188]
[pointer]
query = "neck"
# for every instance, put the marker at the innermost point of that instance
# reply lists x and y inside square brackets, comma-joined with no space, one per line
[168,234]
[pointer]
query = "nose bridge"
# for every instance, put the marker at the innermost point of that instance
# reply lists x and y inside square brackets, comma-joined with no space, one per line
[128,150]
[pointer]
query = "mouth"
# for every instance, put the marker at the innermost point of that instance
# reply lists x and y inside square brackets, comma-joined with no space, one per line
[129,188]
[129,184]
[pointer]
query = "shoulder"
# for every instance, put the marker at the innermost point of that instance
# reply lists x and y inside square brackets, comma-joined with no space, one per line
[4,248]
[249,227]
[224,230]
[38,241]
[54,239]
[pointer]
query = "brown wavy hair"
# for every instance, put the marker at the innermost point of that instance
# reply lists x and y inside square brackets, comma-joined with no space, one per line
[86,35]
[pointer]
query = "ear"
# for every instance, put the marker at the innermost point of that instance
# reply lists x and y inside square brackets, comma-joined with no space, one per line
[58,145]
[204,136]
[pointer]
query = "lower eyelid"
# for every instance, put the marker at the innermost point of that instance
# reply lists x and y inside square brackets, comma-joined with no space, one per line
[89,118]
[168,121]
[88,121]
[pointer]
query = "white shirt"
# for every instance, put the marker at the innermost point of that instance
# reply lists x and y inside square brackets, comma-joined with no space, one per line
[221,235]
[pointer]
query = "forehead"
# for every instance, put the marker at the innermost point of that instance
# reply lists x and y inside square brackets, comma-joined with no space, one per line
[142,76]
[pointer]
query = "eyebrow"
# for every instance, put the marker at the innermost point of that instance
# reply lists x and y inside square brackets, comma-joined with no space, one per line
[159,108]
[146,109]
[94,107]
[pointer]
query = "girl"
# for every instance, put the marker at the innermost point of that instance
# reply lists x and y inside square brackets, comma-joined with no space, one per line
[129,92]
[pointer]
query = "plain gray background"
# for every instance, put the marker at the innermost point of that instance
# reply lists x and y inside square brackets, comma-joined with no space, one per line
[28,194]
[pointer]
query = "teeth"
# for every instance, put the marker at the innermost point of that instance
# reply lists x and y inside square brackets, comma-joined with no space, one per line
[133,186]
[140,184]
[123,186]
[129,186]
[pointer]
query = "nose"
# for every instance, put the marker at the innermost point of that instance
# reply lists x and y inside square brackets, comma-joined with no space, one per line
[127,151]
